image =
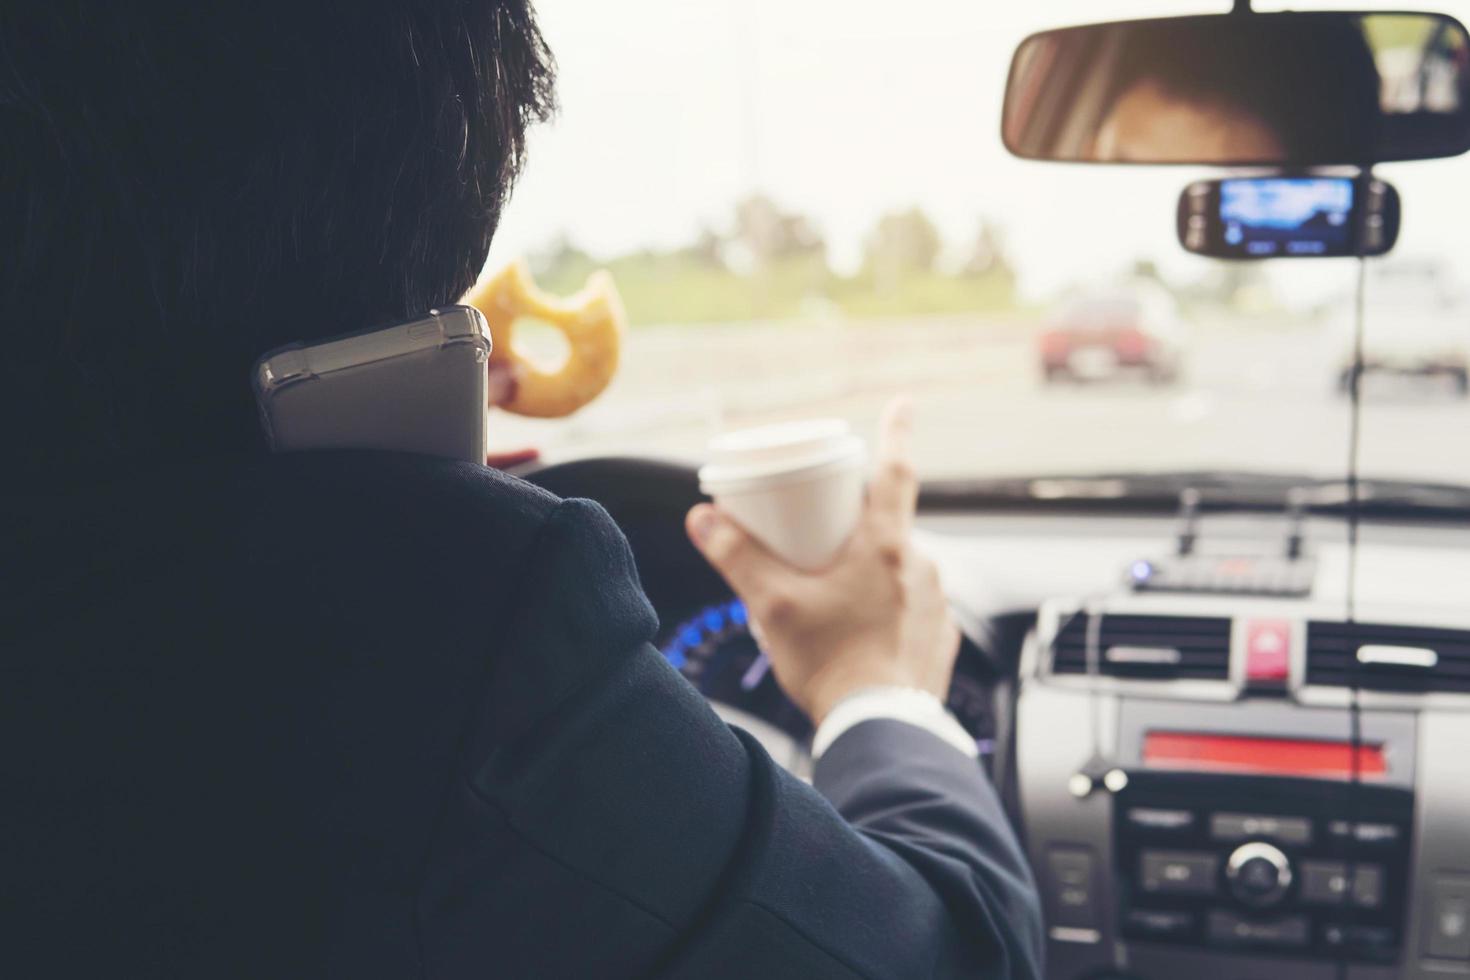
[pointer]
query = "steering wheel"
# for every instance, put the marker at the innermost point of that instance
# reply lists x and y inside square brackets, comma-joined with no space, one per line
[712,646]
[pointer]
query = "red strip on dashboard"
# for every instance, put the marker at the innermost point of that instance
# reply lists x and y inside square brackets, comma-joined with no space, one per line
[1242,754]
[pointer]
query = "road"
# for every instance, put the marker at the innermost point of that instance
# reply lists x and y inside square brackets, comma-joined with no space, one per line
[1252,396]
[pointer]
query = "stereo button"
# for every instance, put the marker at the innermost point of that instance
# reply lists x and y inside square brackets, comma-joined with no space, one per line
[1378,942]
[1259,874]
[1229,929]
[1159,922]
[1154,818]
[1367,833]
[1326,883]
[1073,899]
[1233,827]
[1447,933]
[1178,872]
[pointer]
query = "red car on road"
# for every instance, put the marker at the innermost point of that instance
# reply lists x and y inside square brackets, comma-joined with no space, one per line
[1115,333]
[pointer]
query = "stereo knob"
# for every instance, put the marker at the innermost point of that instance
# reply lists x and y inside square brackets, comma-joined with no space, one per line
[1258,874]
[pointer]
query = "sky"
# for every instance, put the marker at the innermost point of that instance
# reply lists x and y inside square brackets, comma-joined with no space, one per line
[672,110]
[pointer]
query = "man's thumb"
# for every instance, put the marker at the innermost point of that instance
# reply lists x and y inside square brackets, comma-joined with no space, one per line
[744,562]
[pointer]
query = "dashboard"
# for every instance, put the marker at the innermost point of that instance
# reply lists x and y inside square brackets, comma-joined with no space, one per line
[1261,773]
[713,648]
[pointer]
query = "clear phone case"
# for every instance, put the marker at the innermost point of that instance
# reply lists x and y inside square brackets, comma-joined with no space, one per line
[414,387]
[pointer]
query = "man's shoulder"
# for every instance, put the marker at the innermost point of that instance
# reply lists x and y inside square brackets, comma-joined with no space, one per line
[375,511]
[396,480]
[399,507]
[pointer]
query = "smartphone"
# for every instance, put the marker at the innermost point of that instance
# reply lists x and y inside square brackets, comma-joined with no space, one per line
[416,387]
[1289,217]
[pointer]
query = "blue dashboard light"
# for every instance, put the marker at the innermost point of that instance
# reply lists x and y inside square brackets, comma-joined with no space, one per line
[1141,571]
[706,629]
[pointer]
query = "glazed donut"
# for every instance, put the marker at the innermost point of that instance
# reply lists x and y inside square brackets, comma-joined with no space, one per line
[592,321]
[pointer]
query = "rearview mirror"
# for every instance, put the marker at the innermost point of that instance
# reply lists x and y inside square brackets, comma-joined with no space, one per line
[1285,89]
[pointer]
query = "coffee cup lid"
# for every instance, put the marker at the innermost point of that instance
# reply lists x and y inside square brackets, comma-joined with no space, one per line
[786,448]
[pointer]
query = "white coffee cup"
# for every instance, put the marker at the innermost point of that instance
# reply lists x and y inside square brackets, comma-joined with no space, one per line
[797,487]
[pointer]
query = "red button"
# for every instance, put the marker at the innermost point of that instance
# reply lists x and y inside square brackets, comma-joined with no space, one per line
[1267,651]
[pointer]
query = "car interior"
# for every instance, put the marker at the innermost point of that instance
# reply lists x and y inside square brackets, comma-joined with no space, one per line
[1180,291]
[1217,646]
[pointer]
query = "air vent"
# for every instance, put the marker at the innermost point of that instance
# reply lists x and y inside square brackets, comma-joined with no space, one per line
[1163,647]
[1411,659]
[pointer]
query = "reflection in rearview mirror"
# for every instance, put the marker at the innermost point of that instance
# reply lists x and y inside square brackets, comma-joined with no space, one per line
[1264,89]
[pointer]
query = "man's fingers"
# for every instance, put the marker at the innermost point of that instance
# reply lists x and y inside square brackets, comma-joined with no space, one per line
[896,429]
[895,489]
[505,382]
[752,571]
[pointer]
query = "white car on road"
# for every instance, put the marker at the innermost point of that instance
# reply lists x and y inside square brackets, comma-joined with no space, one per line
[1418,327]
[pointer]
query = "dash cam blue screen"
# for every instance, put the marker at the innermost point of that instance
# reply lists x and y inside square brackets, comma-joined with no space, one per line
[1287,215]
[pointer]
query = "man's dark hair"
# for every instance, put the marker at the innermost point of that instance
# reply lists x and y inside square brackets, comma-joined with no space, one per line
[181,192]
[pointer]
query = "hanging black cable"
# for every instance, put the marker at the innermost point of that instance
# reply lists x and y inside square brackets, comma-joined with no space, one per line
[1350,606]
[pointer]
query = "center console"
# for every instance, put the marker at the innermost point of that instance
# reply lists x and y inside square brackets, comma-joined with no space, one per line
[1204,797]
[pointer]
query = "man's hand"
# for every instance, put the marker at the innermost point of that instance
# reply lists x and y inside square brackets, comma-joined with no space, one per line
[505,381]
[876,617]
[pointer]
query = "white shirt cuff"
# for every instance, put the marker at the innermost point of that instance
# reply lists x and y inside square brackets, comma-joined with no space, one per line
[908,705]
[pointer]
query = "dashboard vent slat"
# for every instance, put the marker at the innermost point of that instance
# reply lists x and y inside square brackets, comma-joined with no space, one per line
[1187,647]
[1332,657]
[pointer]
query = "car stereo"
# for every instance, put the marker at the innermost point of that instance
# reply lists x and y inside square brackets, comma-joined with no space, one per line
[1263,864]
[1202,797]
[1288,217]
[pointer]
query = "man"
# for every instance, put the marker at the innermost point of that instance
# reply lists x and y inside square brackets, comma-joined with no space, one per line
[1184,93]
[378,715]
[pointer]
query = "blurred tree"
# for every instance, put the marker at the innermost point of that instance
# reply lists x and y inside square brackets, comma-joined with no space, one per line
[780,254]
[768,234]
[559,259]
[1146,269]
[772,264]
[987,253]
[561,266]
[902,243]
[708,248]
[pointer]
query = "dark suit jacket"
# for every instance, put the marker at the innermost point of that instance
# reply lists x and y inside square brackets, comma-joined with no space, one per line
[365,715]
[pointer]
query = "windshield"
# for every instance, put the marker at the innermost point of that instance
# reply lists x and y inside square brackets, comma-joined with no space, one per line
[807,209]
